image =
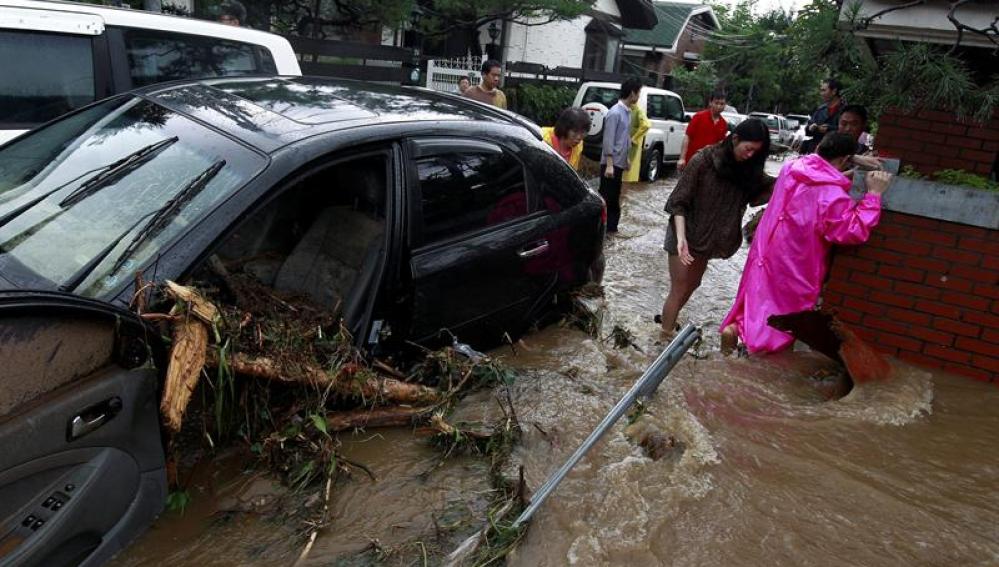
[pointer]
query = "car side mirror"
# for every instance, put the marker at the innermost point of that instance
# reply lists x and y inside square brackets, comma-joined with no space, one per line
[684,118]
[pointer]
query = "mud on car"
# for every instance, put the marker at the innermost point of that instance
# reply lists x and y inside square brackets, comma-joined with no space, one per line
[413,215]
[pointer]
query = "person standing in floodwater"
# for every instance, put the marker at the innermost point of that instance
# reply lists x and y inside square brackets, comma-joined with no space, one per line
[810,210]
[706,128]
[706,210]
[615,148]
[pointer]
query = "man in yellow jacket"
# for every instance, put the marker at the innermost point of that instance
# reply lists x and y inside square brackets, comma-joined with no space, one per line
[640,125]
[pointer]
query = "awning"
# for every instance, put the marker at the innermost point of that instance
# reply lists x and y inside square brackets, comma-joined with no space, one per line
[637,14]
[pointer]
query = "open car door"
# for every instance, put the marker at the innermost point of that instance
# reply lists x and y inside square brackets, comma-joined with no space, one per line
[81,458]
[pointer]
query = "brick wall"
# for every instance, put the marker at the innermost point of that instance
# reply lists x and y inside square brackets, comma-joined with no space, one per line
[931,140]
[925,291]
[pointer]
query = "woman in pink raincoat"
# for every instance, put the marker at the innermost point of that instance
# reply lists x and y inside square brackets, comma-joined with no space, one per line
[810,210]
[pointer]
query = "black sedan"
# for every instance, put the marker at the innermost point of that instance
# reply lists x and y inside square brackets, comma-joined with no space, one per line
[414,215]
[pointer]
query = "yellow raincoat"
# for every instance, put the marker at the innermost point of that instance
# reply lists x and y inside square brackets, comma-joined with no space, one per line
[640,125]
[548,135]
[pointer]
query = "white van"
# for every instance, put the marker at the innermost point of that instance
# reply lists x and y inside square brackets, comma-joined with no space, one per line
[664,109]
[58,56]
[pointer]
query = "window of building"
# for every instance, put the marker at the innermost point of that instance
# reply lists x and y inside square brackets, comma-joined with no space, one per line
[465,192]
[603,43]
[44,76]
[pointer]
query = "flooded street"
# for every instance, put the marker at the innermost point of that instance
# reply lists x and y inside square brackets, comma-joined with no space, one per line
[765,470]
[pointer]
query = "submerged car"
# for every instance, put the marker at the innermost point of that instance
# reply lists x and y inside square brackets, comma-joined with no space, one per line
[412,214]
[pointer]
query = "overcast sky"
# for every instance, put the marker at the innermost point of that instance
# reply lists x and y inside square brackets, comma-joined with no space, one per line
[763,6]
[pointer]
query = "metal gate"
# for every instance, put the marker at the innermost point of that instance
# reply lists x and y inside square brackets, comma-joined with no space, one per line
[444,74]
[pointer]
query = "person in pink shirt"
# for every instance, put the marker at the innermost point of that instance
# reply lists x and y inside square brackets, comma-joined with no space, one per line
[810,210]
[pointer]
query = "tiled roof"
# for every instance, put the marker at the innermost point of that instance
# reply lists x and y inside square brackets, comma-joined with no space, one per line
[671,16]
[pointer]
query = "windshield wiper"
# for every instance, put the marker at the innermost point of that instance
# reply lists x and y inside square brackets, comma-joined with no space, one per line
[77,278]
[110,173]
[160,219]
[165,215]
[115,172]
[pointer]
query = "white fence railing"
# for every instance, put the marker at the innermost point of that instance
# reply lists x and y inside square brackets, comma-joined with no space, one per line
[444,74]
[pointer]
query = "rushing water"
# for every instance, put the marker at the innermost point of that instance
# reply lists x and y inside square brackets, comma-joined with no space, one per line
[766,469]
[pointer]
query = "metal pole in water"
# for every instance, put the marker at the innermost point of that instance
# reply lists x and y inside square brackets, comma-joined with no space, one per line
[644,388]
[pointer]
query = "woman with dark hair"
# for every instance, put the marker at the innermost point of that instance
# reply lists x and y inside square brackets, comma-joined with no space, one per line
[811,210]
[707,206]
[567,135]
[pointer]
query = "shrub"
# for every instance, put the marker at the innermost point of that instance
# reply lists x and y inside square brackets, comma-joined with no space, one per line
[540,103]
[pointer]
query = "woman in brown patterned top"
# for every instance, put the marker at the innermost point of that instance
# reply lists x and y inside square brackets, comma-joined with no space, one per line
[707,206]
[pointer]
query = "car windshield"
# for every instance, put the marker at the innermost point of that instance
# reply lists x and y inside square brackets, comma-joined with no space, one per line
[606,96]
[76,195]
[770,121]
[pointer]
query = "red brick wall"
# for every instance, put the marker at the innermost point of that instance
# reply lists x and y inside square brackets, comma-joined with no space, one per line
[931,140]
[925,291]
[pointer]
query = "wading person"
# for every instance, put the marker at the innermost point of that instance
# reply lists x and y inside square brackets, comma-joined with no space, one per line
[825,119]
[706,128]
[706,210]
[810,210]
[488,90]
[615,147]
[567,135]
[640,125]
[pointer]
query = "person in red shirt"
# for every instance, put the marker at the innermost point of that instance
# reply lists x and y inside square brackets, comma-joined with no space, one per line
[707,127]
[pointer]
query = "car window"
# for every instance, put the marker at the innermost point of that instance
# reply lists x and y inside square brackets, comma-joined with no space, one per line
[604,95]
[155,56]
[44,76]
[466,191]
[770,121]
[674,108]
[59,222]
[656,107]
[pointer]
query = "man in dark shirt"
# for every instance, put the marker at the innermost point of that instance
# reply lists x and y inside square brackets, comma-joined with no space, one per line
[825,119]
[707,127]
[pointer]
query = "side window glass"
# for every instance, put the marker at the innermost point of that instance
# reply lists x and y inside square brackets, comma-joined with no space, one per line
[463,192]
[674,108]
[267,64]
[656,107]
[155,57]
[44,76]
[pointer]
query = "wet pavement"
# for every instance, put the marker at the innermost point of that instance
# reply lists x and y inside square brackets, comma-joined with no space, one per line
[766,469]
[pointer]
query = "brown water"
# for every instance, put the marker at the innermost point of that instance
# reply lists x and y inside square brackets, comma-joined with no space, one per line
[770,472]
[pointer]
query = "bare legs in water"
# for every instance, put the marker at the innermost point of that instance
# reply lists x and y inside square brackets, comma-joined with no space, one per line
[684,280]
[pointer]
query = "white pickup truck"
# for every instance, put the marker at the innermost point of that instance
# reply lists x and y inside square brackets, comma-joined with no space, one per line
[664,109]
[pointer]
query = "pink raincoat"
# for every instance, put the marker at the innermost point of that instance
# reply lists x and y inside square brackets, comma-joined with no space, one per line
[810,210]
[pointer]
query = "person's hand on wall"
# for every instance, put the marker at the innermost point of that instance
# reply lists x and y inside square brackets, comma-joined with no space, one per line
[878,181]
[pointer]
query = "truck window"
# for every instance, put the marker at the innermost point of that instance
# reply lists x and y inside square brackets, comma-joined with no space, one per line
[44,76]
[155,56]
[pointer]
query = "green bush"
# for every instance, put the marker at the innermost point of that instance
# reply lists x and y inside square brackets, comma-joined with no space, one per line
[961,177]
[540,103]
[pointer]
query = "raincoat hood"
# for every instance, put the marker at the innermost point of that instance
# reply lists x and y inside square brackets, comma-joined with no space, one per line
[814,170]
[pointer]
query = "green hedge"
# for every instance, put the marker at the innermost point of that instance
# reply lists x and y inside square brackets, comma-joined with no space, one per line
[540,103]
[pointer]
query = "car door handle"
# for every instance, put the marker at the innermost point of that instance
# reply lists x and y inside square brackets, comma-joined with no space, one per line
[540,247]
[93,418]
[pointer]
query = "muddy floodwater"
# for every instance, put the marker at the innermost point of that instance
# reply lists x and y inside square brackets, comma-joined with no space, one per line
[761,468]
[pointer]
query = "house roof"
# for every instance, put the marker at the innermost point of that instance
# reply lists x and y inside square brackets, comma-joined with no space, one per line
[925,23]
[673,18]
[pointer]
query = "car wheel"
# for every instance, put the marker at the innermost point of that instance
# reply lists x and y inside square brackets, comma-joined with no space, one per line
[653,162]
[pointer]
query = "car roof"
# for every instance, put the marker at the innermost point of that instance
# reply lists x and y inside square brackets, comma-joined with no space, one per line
[617,86]
[50,10]
[271,112]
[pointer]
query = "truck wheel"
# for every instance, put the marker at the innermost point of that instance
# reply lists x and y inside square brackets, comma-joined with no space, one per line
[652,164]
